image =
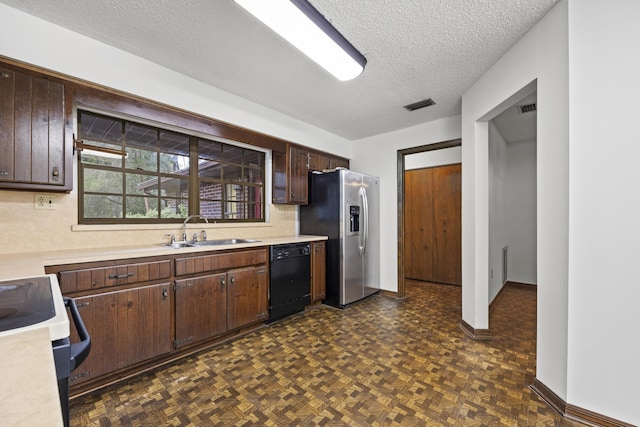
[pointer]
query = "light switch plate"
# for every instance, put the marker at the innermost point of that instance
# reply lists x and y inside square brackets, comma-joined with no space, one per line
[44,202]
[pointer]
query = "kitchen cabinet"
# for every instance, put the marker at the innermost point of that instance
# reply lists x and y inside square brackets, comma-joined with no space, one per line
[209,305]
[35,132]
[338,162]
[144,311]
[290,181]
[247,296]
[318,162]
[201,308]
[318,271]
[126,327]
[291,169]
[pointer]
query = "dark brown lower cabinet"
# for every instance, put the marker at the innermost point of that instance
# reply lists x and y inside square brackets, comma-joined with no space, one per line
[433,232]
[318,271]
[201,308]
[126,327]
[202,298]
[247,297]
[208,306]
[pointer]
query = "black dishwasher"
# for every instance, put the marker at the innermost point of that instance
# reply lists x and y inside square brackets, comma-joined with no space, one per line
[289,279]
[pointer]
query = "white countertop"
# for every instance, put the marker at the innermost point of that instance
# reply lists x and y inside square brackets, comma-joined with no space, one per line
[33,263]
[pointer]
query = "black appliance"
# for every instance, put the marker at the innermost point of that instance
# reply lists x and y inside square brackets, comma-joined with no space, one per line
[289,279]
[32,301]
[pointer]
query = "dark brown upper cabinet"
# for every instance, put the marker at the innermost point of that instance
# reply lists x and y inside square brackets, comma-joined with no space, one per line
[36,146]
[318,162]
[290,181]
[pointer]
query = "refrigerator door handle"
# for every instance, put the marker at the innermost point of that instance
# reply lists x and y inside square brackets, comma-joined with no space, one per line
[365,225]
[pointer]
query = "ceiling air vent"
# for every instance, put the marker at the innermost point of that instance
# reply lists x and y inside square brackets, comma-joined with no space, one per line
[420,104]
[529,108]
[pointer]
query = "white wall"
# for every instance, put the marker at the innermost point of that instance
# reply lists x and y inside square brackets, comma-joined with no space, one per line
[377,155]
[542,55]
[521,211]
[35,41]
[428,159]
[604,244]
[498,213]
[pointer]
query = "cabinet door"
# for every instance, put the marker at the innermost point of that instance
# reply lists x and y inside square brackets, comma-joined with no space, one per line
[33,146]
[318,162]
[99,315]
[126,327]
[201,308]
[297,176]
[335,162]
[318,271]
[144,323]
[247,296]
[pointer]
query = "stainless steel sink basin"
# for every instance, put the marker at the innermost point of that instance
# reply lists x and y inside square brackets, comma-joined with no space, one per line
[178,245]
[218,242]
[224,242]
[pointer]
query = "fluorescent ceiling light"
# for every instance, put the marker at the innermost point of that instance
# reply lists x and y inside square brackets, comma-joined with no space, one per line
[304,27]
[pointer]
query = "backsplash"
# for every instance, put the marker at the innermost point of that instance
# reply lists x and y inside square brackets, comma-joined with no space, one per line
[25,229]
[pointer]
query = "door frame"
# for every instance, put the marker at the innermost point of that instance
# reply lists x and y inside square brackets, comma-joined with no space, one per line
[400,168]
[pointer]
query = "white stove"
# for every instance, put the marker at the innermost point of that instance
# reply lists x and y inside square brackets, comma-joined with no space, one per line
[36,302]
[33,302]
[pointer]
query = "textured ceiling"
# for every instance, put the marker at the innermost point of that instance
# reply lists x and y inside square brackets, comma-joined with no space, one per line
[415,49]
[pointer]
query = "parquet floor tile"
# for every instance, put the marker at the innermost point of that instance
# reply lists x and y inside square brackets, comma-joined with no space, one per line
[380,362]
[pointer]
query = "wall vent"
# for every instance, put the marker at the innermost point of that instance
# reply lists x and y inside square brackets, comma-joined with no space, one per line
[420,104]
[529,108]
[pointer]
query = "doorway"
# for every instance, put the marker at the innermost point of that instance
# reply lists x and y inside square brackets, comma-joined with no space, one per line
[512,196]
[401,164]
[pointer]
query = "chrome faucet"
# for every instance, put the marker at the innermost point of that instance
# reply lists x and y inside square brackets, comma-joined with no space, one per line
[184,226]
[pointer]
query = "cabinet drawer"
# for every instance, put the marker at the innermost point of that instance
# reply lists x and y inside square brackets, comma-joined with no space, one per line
[115,275]
[202,263]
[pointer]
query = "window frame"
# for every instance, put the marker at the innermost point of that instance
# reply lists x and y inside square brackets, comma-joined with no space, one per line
[193,175]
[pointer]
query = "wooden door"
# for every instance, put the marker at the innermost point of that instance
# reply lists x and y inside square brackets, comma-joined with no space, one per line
[32,131]
[447,227]
[418,225]
[318,271]
[126,327]
[247,298]
[298,180]
[201,308]
[99,315]
[318,162]
[433,224]
[144,324]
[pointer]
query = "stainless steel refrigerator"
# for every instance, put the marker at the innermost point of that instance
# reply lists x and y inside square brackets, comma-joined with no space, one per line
[344,205]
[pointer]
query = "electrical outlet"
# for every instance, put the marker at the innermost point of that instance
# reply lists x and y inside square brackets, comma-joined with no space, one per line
[44,201]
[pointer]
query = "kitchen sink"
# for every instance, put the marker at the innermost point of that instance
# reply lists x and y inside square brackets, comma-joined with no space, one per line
[218,242]
[178,245]
[224,242]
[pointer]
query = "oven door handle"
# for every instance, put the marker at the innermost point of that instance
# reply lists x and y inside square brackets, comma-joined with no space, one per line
[80,350]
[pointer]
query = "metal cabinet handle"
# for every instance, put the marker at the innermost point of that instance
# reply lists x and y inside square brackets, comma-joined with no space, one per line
[222,281]
[232,279]
[121,276]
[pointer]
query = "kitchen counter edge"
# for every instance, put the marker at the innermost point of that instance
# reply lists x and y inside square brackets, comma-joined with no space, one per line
[13,266]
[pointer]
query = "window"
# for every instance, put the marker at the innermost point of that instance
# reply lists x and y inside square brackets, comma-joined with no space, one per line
[157,179]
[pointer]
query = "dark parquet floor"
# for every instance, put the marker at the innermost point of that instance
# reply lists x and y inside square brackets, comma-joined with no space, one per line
[380,362]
